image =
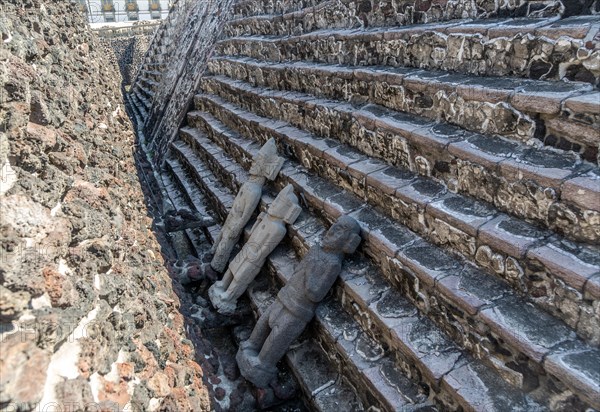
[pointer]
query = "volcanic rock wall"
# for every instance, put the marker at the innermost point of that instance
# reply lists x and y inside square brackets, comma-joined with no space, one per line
[88,315]
[126,46]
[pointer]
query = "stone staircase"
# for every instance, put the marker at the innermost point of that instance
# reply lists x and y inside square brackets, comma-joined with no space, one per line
[150,74]
[468,152]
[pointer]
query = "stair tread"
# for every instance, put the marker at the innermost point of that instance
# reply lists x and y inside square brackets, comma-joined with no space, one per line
[538,96]
[508,234]
[346,18]
[500,164]
[577,27]
[359,285]
[479,295]
[398,45]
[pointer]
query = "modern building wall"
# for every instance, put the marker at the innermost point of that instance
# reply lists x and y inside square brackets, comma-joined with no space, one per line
[105,11]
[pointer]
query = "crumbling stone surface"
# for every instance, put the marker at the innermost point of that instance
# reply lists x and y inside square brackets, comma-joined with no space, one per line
[363,14]
[548,50]
[88,313]
[128,53]
[524,110]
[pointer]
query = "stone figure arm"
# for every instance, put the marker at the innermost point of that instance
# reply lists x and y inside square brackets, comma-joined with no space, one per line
[320,279]
[248,204]
[259,219]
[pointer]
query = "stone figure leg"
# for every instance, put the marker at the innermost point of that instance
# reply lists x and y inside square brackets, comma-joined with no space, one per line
[224,283]
[285,328]
[260,332]
[236,287]
[223,250]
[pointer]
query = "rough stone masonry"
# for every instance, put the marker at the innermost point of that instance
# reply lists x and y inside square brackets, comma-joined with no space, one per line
[88,314]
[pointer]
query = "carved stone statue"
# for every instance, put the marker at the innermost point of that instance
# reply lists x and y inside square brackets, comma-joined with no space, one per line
[296,303]
[266,165]
[265,235]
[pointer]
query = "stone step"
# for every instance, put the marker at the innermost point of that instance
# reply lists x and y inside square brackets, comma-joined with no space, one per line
[184,195]
[152,74]
[146,93]
[505,246]
[388,314]
[554,189]
[149,84]
[138,106]
[331,14]
[560,114]
[143,103]
[137,119]
[475,309]
[253,7]
[397,11]
[153,66]
[530,48]
[338,14]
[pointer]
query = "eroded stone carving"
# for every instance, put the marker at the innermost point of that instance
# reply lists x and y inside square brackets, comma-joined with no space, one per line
[266,165]
[296,303]
[266,234]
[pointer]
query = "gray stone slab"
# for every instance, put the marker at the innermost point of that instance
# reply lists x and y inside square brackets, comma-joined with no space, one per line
[579,367]
[525,327]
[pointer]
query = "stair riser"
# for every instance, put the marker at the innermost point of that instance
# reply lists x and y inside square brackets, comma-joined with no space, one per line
[507,184]
[395,10]
[334,14]
[254,8]
[474,53]
[459,322]
[471,107]
[552,294]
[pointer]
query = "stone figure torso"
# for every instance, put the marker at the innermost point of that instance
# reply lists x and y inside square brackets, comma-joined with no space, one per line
[308,286]
[265,235]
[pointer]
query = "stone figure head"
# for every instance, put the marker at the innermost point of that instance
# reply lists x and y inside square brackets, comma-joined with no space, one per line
[285,206]
[266,162]
[342,236]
